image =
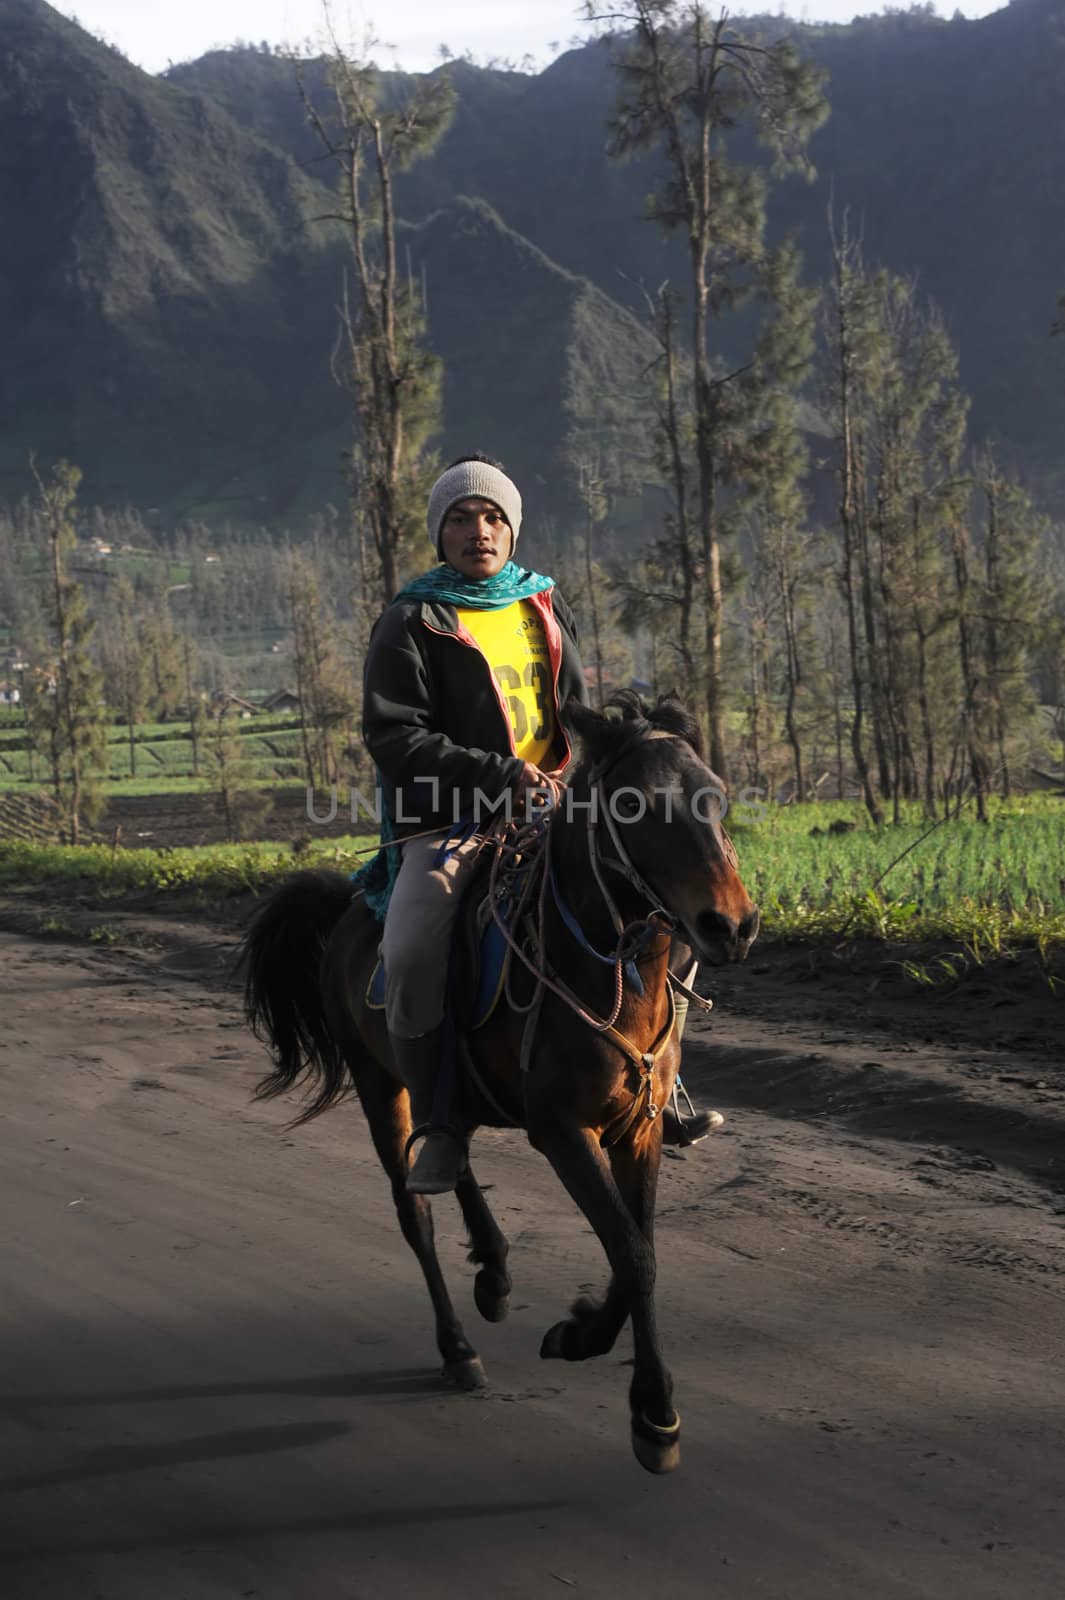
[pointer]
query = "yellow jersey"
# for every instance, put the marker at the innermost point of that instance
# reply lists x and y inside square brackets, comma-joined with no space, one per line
[513,643]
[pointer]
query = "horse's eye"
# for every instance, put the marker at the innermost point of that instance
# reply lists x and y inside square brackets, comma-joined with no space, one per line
[628,804]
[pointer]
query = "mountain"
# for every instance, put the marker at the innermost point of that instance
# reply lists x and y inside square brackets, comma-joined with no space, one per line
[158,282]
[533,353]
[167,310]
[946,143]
[167,302]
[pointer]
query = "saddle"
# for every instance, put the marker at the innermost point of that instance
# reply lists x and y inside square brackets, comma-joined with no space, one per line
[480,955]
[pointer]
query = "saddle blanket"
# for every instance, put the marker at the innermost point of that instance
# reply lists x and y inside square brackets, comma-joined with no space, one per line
[492,951]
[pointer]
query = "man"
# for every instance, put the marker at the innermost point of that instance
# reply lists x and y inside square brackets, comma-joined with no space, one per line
[465,680]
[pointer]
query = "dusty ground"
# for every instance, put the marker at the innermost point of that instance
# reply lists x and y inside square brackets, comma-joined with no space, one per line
[217,1376]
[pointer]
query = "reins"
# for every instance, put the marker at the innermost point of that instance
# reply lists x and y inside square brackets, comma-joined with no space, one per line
[523,853]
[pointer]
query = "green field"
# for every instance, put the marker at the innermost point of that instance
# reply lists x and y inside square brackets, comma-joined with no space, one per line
[164,756]
[985,884]
[987,887]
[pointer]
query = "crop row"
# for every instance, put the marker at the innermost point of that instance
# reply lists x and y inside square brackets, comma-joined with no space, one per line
[276,756]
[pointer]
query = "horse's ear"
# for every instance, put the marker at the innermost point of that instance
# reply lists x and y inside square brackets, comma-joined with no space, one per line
[592,726]
[673,716]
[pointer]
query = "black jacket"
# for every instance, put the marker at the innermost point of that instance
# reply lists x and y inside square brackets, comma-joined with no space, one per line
[432,710]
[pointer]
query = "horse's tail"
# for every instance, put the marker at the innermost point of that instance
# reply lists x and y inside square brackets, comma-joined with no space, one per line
[281,959]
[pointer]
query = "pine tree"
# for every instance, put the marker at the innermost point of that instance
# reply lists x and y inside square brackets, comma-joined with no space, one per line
[328,704]
[688,82]
[848,342]
[594,499]
[771,462]
[194,699]
[231,773]
[1017,612]
[164,664]
[125,665]
[66,710]
[675,553]
[916,432]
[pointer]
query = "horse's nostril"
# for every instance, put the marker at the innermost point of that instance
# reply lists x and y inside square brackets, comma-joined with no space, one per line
[750,925]
[711,925]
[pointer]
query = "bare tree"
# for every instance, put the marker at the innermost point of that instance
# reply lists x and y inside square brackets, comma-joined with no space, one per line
[381,357]
[844,319]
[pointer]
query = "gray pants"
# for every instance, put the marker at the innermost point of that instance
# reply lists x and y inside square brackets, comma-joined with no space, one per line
[417,934]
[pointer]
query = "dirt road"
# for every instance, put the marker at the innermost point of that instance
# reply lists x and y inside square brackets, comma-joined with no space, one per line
[217,1375]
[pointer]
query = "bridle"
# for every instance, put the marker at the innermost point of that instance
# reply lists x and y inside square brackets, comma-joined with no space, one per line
[622,862]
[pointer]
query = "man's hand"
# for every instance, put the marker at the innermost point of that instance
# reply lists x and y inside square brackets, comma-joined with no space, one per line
[536,789]
[531,778]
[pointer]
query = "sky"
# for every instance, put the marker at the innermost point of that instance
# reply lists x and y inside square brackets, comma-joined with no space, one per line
[155,35]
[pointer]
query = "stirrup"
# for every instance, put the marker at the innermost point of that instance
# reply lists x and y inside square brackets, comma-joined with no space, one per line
[680,1129]
[438,1175]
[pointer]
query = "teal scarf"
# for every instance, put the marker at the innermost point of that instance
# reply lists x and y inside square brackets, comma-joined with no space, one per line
[446,585]
[450,587]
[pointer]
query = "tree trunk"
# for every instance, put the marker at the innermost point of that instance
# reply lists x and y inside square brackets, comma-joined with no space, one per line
[194,732]
[593,607]
[996,711]
[847,519]
[680,486]
[835,671]
[793,673]
[708,534]
[970,681]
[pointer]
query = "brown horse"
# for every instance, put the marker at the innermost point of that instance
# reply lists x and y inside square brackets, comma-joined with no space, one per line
[636,843]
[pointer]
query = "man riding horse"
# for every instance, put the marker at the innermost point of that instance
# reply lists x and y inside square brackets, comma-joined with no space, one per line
[466,680]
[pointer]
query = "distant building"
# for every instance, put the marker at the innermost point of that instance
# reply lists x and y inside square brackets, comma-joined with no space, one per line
[222,701]
[282,700]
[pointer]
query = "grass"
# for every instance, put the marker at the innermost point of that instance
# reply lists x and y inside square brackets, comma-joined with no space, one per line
[986,885]
[987,888]
[217,869]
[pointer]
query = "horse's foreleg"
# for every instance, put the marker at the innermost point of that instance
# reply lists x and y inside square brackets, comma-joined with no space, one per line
[593,1326]
[634,1164]
[488,1249]
[387,1109]
[578,1159]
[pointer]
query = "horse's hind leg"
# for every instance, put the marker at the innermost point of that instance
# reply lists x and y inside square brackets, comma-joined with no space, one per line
[591,1329]
[387,1110]
[488,1248]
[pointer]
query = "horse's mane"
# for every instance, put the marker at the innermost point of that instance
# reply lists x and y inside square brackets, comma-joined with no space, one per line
[608,736]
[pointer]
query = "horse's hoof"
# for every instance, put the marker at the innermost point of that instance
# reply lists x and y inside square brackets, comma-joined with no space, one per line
[557,1343]
[467,1374]
[492,1305]
[656,1449]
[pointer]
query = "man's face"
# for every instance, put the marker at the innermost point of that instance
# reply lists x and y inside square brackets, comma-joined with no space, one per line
[476,539]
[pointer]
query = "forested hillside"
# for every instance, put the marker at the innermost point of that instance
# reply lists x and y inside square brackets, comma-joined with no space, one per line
[158,281]
[946,141]
[167,307]
[168,304]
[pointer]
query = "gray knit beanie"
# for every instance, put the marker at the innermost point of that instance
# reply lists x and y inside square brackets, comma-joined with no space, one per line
[472,480]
